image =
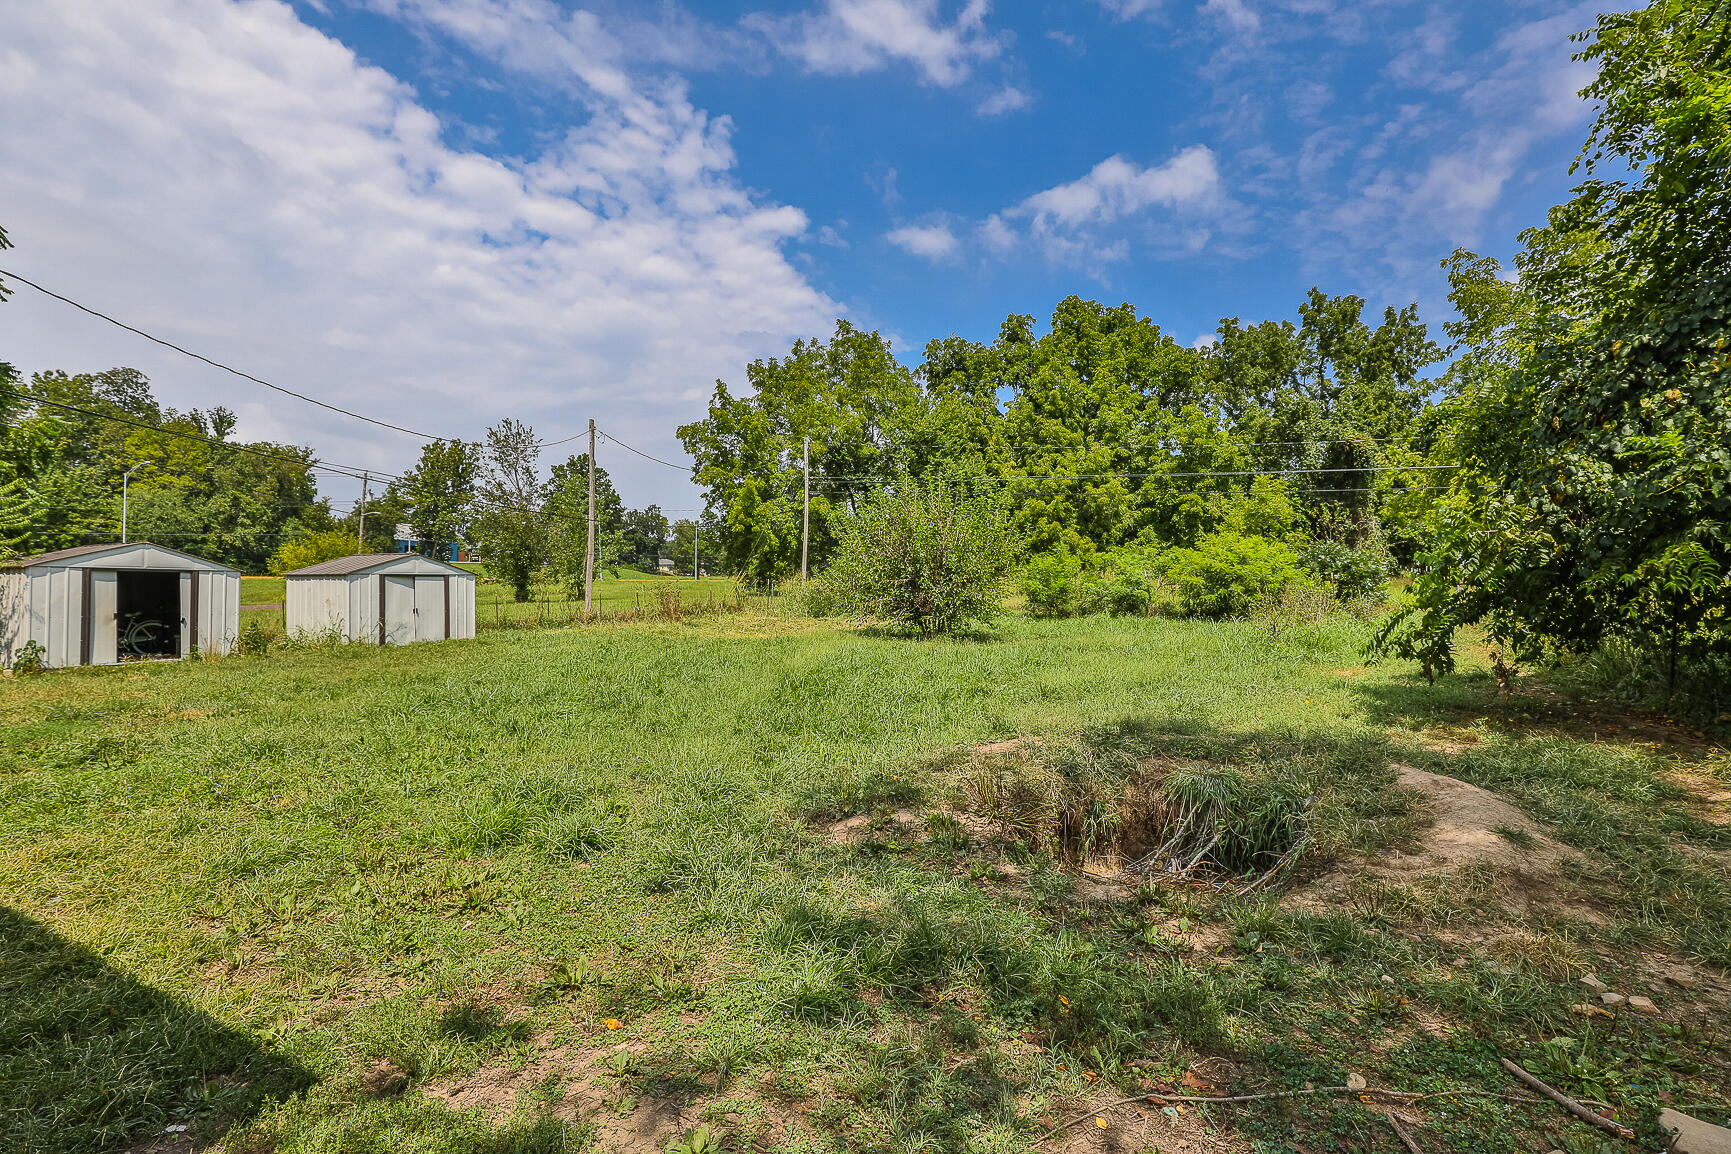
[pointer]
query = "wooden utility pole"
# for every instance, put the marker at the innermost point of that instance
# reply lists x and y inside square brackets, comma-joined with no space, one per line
[696,556]
[589,553]
[805,520]
[361,527]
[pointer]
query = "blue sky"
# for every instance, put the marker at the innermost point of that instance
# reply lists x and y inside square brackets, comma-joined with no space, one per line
[444,212]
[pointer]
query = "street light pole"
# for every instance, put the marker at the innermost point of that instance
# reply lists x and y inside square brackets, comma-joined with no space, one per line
[124,478]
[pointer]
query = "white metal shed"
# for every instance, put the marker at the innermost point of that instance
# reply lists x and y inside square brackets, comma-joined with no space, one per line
[384,598]
[102,604]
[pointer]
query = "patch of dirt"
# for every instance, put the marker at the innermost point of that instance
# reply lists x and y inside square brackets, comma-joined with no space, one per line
[583,1088]
[1134,1127]
[1463,839]
[863,827]
[1709,795]
[383,1079]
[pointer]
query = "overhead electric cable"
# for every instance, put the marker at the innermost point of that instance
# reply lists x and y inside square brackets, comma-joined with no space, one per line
[1147,476]
[645,456]
[315,463]
[218,364]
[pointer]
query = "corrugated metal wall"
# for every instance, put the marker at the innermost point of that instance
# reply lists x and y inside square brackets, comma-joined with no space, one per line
[57,614]
[218,612]
[14,614]
[463,606]
[316,605]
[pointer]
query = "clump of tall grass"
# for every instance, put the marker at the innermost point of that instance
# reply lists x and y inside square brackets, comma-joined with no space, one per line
[1148,815]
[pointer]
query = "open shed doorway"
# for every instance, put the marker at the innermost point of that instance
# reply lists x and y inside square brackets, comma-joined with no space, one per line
[147,614]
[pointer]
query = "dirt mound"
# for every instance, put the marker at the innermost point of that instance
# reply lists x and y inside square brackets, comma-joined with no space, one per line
[1477,838]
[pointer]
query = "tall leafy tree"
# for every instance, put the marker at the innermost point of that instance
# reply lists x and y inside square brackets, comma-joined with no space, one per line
[1597,492]
[567,514]
[510,525]
[437,496]
[849,395]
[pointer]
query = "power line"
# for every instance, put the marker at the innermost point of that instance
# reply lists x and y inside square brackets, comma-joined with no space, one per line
[1007,477]
[314,463]
[217,364]
[645,456]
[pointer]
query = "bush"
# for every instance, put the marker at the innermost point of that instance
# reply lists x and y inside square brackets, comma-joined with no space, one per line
[923,554]
[32,658]
[1352,574]
[1226,571]
[1049,583]
[311,548]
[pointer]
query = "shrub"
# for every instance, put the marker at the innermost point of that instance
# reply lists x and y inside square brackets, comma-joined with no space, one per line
[311,548]
[1049,583]
[254,640]
[1352,574]
[32,658]
[925,555]
[1226,571]
[1114,593]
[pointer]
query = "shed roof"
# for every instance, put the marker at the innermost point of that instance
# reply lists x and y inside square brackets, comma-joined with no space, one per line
[77,552]
[361,562]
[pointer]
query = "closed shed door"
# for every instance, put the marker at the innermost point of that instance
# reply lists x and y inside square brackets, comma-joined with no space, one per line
[399,610]
[429,609]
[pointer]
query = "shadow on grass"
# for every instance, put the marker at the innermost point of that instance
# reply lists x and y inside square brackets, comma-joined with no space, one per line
[1532,709]
[91,1059]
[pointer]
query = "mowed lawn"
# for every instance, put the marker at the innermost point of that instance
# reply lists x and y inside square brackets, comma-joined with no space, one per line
[581,888]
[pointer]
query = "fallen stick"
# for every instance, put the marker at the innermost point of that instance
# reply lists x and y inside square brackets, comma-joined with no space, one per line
[1569,1103]
[1406,1139]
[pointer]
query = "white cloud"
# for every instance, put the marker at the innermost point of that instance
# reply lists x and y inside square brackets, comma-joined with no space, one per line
[931,241]
[1130,9]
[999,238]
[829,236]
[1006,99]
[1117,188]
[1234,14]
[852,36]
[226,176]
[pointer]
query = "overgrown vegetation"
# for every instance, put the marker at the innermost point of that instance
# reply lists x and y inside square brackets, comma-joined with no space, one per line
[638,828]
[925,555]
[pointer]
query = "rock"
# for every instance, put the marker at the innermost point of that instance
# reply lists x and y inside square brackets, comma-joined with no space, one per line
[1643,1006]
[1694,1136]
[1594,985]
[1356,1082]
[1610,999]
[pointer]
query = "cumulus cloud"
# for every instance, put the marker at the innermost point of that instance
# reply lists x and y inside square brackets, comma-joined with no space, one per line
[225,175]
[931,241]
[852,36]
[1006,99]
[1117,188]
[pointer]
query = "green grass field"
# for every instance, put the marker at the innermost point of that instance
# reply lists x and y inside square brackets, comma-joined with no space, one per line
[628,594]
[593,888]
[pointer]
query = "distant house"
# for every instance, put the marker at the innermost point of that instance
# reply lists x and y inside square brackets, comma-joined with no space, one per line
[406,542]
[665,565]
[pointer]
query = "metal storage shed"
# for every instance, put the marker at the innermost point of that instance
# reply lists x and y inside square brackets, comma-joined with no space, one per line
[384,598]
[102,604]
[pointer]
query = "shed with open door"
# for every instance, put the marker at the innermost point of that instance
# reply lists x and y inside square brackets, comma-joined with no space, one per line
[103,604]
[384,598]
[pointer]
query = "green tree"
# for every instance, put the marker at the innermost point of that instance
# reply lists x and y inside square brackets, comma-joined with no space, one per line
[1596,395]
[437,497]
[509,525]
[924,554]
[850,396]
